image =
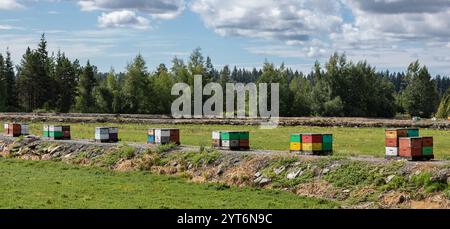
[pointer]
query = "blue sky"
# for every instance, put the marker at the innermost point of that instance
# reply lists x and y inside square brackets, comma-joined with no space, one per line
[388,33]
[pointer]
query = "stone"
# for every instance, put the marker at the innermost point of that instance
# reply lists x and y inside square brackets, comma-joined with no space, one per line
[258,174]
[279,170]
[264,181]
[325,171]
[294,174]
[346,191]
[389,179]
[441,176]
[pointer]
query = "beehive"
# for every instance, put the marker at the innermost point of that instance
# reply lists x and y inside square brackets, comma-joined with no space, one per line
[427,146]
[296,143]
[13,129]
[6,128]
[106,134]
[24,129]
[66,133]
[406,143]
[231,140]
[312,144]
[56,132]
[392,141]
[114,134]
[410,147]
[163,136]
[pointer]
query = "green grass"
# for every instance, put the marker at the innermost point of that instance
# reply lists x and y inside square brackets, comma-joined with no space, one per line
[55,185]
[347,141]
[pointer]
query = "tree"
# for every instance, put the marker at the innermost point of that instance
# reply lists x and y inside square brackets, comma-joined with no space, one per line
[3,102]
[29,82]
[136,87]
[224,76]
[420,96]
[65,83]
[10,80]
[162,84]
[46,82]
[301,103]
[85,101]
[444,107]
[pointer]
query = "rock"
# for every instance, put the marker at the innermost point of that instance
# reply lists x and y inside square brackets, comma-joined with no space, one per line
[389,179]
[258,174]
[55,149]
[335,166]
[325,171]
[294,174]
[316,171]
[346,191]
[279,170]
[441,176]
[264,181]
[220,170]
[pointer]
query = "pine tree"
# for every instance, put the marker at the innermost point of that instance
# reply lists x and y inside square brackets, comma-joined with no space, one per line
[65,83]
[85,101]
[162,84]
[3,98]
[225,76]
[45,82]
[136,87]
[28,82]
[10,78]
[420,96]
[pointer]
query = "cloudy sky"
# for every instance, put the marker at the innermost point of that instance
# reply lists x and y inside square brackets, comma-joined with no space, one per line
[388,33]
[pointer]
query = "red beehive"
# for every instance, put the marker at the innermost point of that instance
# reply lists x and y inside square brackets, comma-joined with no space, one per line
[427,142]
[391,142]
[175,136]
[411,143]
[14,130]
[410,147]
[312,138]
[410,152]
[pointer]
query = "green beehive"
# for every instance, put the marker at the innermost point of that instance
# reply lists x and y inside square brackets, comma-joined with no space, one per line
[46,131]
[244,136]
[296,138]
[230,136]
[327,142]
[413,133]
[427,151]
[327,138]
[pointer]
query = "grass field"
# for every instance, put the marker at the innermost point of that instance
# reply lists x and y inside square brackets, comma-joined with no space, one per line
[28,184]
[348,141]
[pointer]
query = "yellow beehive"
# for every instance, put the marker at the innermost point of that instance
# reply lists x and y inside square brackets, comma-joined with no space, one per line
[312,147]
[296,146]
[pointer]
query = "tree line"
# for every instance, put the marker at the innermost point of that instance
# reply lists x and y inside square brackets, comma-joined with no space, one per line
[44,82]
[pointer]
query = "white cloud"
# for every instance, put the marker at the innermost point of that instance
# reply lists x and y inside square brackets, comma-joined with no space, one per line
[287,20]
[123,18]
[9,27]
[162,9]
[10,5]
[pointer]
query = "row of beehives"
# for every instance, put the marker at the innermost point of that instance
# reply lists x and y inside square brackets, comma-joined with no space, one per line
[407,143]
[16,129]
[400,143]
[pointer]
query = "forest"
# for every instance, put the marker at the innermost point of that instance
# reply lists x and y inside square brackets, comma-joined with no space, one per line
[49,82]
